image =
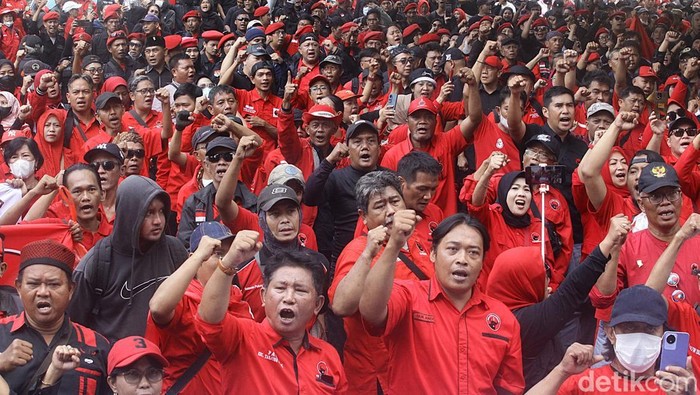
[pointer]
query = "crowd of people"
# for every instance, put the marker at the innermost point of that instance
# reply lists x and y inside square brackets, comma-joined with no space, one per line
[364,197]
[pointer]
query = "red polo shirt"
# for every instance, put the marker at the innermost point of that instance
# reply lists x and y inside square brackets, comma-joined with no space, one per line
[60,210]
[259,361]
[250,103]
[488,137]
[433,346]
[444,147]
[688,174]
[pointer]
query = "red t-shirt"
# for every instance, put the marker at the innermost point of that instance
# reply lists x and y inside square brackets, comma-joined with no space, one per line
[683,317]
[61,211]
[488,137]
[604,381]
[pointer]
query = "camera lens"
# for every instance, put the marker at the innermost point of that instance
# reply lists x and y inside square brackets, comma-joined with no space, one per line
[671,339]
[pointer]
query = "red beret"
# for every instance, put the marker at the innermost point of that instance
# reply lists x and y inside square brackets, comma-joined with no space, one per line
[109,14]
[663,21]
[540,22]
[230,36]
[601,31]
[563,30]
[504,26]
[212,35]
[522,19]
[82,36]
[304,29]
[274,27]
[320,4]
[172,41]
[442,31]
[581,12]
[137,36]
[486,18]
[409,7]
[428,38]
[373,36]
[474,26]
[191,14]
[49,16]
[593,57]
[260,11]
[414,28]
[118,35]
[189,42]
[616,13]
[347,26]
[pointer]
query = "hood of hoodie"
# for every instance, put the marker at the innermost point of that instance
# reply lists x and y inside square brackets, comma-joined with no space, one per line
[517,278]
[134,196]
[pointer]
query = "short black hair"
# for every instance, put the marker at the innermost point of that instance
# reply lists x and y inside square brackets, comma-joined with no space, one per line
[220,89]
[418,161]
[82,166]
[188,89]
[504,95]
[15,144]
[631,90]
[337,102]
[368,53]
[302,259]
[172,63]
[83,77]
[455,220]
[652,156]
[598,76]
[554,92]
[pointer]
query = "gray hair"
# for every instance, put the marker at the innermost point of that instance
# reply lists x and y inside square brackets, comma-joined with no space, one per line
[136,81]
[373,183]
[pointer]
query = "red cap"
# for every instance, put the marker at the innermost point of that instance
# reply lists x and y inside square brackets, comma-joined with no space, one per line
[222,41]
[172,41]
[647,71]
[321,111]
[581,12]
[137,36]
[540,22]
[191,14]
[409,7]
[504,26]
[10,135]
[493,61]
[670,81]
[593,57]
[347,26]
[212,35]
[51,15]
[82,36]
[129,350]
[118,35]
[318,5]
[112,83]
[442,31]
[274,27]
[109,14]
[618,13]
[4,11]
[410,30]
[189,42]
[373,36]
[422,104]
[563,30]
[522,19]
[601,31]
[346,95]
[428,38]
[474,26]
[663,21]
[486,18]
[260,11]
[304,29]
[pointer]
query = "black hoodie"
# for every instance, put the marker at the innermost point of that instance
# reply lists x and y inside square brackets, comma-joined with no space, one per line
[133,274]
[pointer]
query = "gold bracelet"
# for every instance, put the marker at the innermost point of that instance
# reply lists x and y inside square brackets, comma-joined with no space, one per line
[229,271]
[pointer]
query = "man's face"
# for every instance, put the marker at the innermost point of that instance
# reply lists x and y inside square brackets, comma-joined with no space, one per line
[555,44]
[224,103]
[662,207]
[598,121]
[309,51]
[319,90]
[432,61]
[633,174]
[184,102]
[363,148]
[404,64]
[134,155]
[618,23]
[112,25]
[278,37]
[600,93]
[633,60]
[111,115]
[350,107]
[418,193]
[143,95]
[109,178]
[421,126]
[458,260]
[84,187]
[291,300]
[192,24]
[372,21]
[192,53]
[242,22]
[211,48]
[381,208]
[332,72]
[184,71]
[51,27]
[283,220]
[45,292]
[263,80]
[489,75]
[647,84]
[80,95]
[681,137]
[119,49]
[634,103]
[320,131]
[150,28]
[135,48]
[560,113]
[218,161]
[95,71]
[155,56]
[510,51]
[541,32]
[153,224]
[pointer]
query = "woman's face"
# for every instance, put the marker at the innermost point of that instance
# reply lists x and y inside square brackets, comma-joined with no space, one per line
[52,129]
[618,169]
[146,369]
[519,197]
[22,153]
[154,10]
[3,101]
[205,5]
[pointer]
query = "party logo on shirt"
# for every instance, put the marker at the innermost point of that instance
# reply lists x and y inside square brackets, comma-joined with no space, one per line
[554,204]
[499,143]
[323,375]
[302,239]
[249,108]
[535,237]
[493,321]
[275,112]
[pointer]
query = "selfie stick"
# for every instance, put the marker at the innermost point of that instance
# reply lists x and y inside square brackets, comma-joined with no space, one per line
[544,188]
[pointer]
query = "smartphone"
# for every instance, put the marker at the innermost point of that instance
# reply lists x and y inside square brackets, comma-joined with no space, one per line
[550,175]
[660,101]
[448,10]
[83,23]
[674,349]
[391,103]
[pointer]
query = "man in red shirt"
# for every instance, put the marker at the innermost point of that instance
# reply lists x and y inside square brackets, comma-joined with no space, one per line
[444,146]
[471,340]
[279,352]
[308,65]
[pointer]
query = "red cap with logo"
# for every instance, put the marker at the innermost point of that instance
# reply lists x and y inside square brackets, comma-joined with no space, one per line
[130,349]
[493,61]
[647,71]
[321,111]
[422,104]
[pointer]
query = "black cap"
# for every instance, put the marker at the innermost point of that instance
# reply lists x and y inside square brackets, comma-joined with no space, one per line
[154,41]
[509,40]
[31,67]
[307,37]
[422,74]
[689,53]
[548,141]
[639,304]
[359,126]
[261,65]
[109,148]
[221,142]
[331,59]
[398,50]
[32,41]
[681,121]
[90,59]
[104,98]
[202,135]
[452,54]
[257,50]
[298,115]
[518,70]
[215,230]
[365,74]
[273,194]
[657,175]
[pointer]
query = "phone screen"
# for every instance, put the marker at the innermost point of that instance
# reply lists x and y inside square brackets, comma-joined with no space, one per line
[550,175]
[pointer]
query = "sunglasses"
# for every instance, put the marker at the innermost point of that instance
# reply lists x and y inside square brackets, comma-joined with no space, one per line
[673,115]
[680,132]
[108,165]
[134,376]
[541,29]
[134,153]
[215,158]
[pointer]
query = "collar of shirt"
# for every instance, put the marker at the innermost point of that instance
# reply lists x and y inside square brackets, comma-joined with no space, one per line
[21,321]
[435,290]
[308,343]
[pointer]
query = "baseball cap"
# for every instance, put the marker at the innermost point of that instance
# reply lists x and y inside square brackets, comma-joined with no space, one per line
[110,148]
[647,71]
[680,120]
[639,304]
[254,33]
[657,175]
[493,61]
[547,140]
[256,50]
[508,41]
[422,104]
[150,18]
[598,107]
[334,59]
[360,126]
[89,59]
[452,54]
[254,23]
[31,67]
[221,142]
[31,40]
[346,94]
[104,98]
[214,229]
[154,41]
[263,64]
[47,252]
[518,70]
[203,134]
[273,194]
[307,37]
[10,135]
[69,6]
[130,349]
[285,172]
[419,75]
[321,111]
[689,53]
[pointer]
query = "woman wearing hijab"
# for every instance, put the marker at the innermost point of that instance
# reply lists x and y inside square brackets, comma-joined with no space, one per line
[49,138]
[521,282]
[510,216]
[10,115]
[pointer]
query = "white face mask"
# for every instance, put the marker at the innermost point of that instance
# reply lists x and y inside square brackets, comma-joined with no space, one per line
[637,352]
[503,121]
[365,10]
[22,168]
[9,24]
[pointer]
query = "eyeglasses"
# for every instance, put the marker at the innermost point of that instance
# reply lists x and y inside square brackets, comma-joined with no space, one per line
[404,60]
[133,376]
[215,158]
[146,91]
[657,198]
[680,132]
[134,153]
[540,29]
[673,115]
[540,156]
[94,70]
[318,88]
[108,165]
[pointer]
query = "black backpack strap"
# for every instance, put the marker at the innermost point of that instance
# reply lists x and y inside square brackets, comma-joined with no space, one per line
[138,118]
[68,129]
[411,265]
[189,374]
[103,251]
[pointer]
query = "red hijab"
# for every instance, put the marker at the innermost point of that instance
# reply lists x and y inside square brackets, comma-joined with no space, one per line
[622,191]
[517,278]
[53,152]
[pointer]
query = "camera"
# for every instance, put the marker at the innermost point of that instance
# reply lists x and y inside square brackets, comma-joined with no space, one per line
[670,339]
